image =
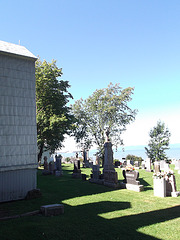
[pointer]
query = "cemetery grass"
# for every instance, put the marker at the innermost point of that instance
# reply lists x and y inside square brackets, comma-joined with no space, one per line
[93,211]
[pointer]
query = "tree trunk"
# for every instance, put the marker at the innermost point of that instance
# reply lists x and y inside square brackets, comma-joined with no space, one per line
[40,154]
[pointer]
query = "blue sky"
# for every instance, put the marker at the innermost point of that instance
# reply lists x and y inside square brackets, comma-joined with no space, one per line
[135,43]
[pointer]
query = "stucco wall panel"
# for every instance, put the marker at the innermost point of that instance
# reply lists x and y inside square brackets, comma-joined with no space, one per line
[18,133]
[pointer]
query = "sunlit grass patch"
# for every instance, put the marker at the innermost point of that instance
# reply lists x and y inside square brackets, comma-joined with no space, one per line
[94,211]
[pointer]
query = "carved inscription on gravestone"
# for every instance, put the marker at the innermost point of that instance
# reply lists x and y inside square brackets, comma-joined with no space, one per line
[131,177]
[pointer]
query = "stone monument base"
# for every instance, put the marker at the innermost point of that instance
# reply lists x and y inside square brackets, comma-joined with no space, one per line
[111,185]
[76,175]
[52,210]
[97,181]
[46,172]
[111,178]
[175,194]
[136,188]
[58,173]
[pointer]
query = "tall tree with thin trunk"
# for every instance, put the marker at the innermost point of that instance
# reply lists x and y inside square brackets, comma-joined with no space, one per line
[53,115]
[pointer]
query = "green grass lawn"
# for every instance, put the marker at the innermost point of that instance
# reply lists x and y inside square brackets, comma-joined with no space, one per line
[94,211]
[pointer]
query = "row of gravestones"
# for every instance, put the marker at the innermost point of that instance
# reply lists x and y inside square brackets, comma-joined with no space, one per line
[52,167]
[166,185]
[163,165]
[109,177]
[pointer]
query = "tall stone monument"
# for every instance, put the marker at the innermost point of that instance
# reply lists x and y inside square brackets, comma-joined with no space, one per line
[58,171]
[109,172]
[77,170]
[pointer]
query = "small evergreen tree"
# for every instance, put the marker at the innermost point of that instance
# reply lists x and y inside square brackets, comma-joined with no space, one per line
[158,143]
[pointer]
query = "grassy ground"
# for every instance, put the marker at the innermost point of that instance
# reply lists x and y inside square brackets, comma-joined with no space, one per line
[94,211]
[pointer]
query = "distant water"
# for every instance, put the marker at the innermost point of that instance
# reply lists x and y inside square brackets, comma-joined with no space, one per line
[172,153]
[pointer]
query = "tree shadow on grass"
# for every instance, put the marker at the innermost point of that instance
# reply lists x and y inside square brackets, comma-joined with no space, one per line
[124,227]
[66,187]
[147,186]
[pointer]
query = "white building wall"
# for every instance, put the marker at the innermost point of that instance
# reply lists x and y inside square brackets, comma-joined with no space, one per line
[18,134]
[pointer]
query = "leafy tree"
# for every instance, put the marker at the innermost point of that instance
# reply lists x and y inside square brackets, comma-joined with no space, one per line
[158,143]
[134,158]
[53,116]
[105,108]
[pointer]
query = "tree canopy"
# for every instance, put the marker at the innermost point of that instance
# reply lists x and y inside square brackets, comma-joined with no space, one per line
[134,158]
[158,143]
[53,115]
[106,108]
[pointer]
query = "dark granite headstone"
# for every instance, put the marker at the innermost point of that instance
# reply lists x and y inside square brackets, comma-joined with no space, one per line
[83,177]
[76,171]
[131,177]
[111,177]
[35,193]
[117,163]
[58,163]
[170,185]
[46,167]
[76,165]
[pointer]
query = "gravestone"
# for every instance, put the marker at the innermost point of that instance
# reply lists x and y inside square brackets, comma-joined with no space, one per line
[162,164]
[46,166]
[166,167]
[117,163]
[124,164]
[86,163]
[35,193]
[95,176]
[52,210]
[58,171]
[177,165]
[143,165]
[148,165]
[136,164]
[171,186]
[131,177]
[95,172]
[52,167]
[128,162]
[130,181]
[97,160]
[76,172]
[110,175]
[111,179]
[46,170]
[156,167]
[159,187]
